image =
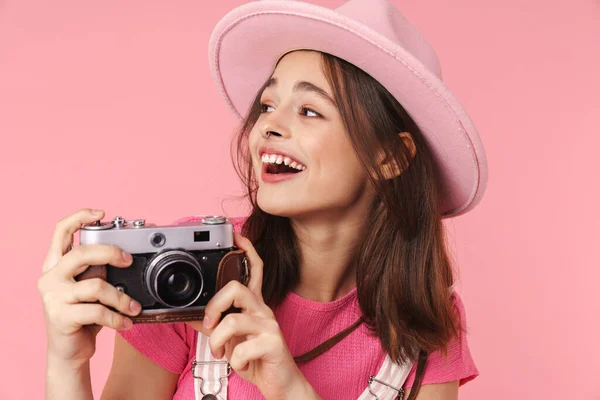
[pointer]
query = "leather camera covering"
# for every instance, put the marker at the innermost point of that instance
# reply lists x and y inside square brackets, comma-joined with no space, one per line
[233,266]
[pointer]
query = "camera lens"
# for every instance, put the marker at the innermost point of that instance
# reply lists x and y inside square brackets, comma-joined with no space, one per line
[177,284]
[174,278]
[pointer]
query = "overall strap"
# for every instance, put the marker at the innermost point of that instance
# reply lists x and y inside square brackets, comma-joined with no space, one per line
[210,375]
[388,382]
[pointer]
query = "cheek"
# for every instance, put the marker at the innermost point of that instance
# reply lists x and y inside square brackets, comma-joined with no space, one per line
[336,164]
[342,176]
[253,140]
[334,154]
[253,137]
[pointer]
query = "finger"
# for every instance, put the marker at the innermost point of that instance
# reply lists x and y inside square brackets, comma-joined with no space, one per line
[77,260]
[234,325]
[256,263]
[199,327]
[62,237]
[237,295]
[251,350]
[88,314]
[91,290]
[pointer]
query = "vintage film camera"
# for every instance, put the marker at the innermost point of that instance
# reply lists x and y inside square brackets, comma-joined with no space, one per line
[176,269]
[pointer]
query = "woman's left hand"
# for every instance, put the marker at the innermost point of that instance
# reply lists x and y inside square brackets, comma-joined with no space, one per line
[252,341]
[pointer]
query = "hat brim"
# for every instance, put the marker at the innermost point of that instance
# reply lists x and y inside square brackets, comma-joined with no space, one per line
[246,44]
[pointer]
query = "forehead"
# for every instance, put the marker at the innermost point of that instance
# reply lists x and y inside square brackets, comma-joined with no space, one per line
[301,65]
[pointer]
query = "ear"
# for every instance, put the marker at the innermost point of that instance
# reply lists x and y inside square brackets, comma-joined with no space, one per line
[389,167]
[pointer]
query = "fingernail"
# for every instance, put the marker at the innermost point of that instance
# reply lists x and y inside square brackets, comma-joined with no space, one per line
[126,256]
[206,322]
[127,323]
[217,356]
[135,307]
[97,212]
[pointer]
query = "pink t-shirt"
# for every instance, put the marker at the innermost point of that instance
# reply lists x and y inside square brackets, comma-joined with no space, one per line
[305,324]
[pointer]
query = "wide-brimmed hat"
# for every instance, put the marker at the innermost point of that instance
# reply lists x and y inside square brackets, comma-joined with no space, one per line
[373,35]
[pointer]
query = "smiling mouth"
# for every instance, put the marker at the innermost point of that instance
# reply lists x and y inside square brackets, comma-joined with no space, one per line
[277,164]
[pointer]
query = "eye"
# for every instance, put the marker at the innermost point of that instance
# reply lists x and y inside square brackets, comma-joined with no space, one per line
[265,108]
[307,112]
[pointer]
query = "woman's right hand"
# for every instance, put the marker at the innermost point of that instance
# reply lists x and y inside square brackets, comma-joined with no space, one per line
[76,311]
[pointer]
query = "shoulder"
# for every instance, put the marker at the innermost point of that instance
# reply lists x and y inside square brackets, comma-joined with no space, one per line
[458,363]
[238,223]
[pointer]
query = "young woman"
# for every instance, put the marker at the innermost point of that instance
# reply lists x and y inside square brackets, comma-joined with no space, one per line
[353,151]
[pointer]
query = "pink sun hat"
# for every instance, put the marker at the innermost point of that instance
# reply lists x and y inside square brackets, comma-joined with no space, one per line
[246,44]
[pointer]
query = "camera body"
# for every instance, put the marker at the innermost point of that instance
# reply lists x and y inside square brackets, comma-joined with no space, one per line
[176,269]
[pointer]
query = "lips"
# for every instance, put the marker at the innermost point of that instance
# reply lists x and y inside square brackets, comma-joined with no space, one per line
[278,165]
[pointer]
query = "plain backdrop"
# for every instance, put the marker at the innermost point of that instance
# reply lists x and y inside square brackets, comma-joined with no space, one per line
[110,105]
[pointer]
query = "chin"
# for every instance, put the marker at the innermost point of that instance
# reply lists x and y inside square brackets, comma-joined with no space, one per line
[274,205]
[281,206]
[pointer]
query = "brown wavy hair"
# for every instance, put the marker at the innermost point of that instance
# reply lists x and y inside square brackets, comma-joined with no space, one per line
[404,276]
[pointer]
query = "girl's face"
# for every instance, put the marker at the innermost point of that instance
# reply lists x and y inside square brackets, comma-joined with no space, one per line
[306,165]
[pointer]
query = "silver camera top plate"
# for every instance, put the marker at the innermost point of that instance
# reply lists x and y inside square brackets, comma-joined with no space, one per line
[214,232]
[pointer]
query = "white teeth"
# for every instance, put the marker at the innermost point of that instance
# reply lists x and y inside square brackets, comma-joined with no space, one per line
[279,159]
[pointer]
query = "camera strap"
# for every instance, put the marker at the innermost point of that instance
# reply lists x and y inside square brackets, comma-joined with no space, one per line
[211,375]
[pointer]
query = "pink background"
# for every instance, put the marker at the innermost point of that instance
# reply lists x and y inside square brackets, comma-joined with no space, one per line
[110,105]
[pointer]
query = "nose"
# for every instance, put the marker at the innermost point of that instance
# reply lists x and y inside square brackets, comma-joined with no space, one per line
[273,125]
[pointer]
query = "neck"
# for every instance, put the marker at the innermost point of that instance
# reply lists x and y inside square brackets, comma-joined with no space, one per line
[326,246]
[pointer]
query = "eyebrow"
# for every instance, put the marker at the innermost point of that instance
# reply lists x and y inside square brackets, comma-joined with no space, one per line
[304,86]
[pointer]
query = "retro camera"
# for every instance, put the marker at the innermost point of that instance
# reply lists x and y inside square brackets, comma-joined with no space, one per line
[176,269]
